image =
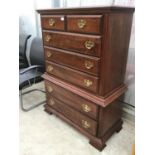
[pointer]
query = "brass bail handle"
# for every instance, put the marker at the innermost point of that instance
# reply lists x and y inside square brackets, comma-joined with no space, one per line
[87,83]
[81,23]
[89,64]
[86,124]
[49,54]
[86,108]
[51,22]
[48,38]
[49,89]
[49,68]
[51,102]
[89,44]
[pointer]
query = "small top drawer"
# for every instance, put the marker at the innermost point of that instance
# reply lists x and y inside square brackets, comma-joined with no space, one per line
[52,22]
[84,23]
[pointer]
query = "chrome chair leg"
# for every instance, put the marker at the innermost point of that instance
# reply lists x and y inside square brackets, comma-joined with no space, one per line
[31,107]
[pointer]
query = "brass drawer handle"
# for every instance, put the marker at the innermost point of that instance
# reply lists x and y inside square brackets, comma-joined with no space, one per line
[89,64]
[49,89]
[51,22]
[86,124]
[87,83]
[47,38]
[86,108]
[51,102]
[89,44]
[48,53]
[49,68]
[81,23]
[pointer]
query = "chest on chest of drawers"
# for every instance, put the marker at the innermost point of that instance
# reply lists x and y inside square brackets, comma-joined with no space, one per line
[85,58]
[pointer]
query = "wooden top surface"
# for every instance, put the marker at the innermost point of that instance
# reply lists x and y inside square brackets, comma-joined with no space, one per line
[99,9]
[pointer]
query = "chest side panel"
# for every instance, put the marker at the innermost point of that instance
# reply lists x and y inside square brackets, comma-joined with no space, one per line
[117,29]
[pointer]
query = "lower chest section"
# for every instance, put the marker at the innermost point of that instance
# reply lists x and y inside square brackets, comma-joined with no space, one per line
[88,116]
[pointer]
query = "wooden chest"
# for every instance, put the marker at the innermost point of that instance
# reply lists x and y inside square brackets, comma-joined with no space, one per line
[85,56]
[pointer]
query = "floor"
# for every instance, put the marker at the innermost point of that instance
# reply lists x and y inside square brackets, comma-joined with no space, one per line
[42,134]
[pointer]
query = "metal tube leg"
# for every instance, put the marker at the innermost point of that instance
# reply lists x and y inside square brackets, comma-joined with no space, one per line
[32,107]
[21,102]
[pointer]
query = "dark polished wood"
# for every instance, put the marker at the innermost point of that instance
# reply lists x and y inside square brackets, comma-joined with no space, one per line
[86,54]
[98,143]
[117,29]
[84,23]
[73,60]
[73,42]
[108,116]
[90,136]
[99,100]
[52,22]
[73,76]
[75,101]
[87,10]
[83,121]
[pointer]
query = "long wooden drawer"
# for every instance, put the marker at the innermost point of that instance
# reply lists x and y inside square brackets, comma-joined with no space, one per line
[80,43]
[54,22]
[72,76]
[84,23]
[83,121]
[86,107]
[80,62]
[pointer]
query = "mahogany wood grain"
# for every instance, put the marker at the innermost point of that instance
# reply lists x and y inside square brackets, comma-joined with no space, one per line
[90,136]
[72,41]
[92,23]
[72,76]
[59,23]
[117,29]
[72,60]
[106,31]
[99,100]
[98,143]
[109,116]
[72,99]
[87,10]
[74,116]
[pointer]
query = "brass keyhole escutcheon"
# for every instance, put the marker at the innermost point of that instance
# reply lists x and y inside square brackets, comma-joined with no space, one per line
[86,108]
[87,82]
[81,23]
[51,22]
[49,68]
[89,64]
[86,124]
[47,38]
[49,89]
[89,44]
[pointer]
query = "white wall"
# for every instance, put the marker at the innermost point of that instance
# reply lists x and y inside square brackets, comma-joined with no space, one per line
[27,23]
[28,15]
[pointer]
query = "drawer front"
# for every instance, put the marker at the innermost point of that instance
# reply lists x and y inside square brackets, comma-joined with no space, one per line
[84,23]
[86,107]
[53,22]
[77,61]
[81,120]
[72,76]
[86,44]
